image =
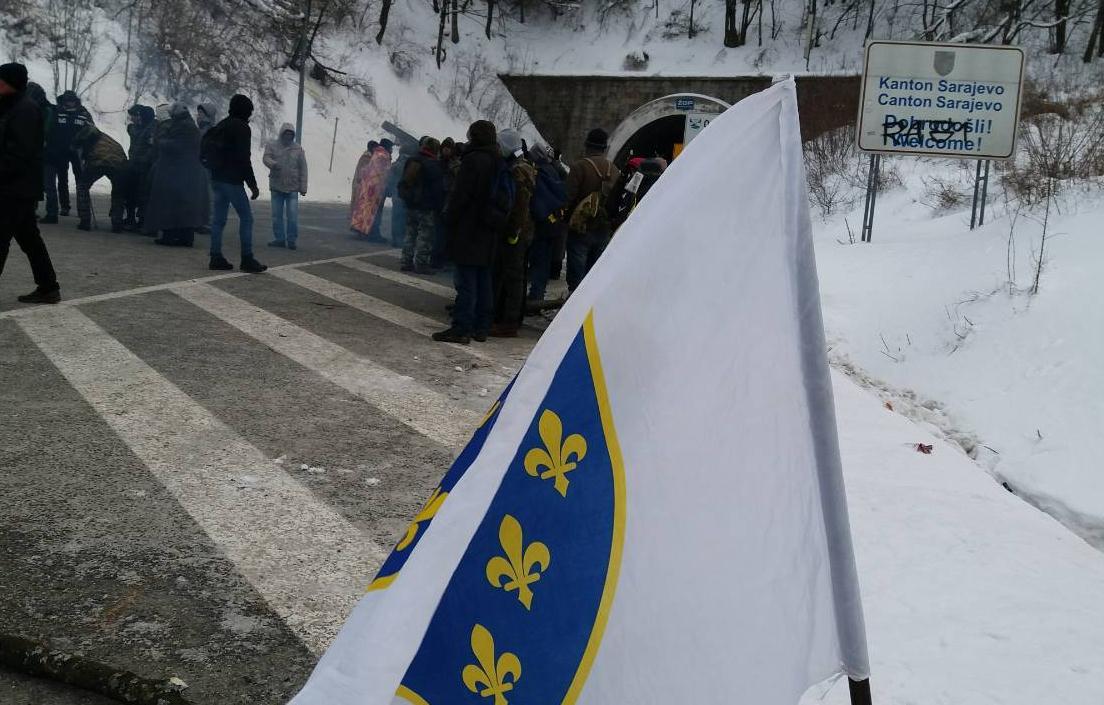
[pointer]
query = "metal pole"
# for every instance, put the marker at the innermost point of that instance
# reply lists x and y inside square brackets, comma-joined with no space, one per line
[871,195]
[304,54]
[984,192]
[977,188]
[333,144]
[860,691]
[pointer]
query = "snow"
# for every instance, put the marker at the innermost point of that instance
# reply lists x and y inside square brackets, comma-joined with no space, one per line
[926,309]
[971,596]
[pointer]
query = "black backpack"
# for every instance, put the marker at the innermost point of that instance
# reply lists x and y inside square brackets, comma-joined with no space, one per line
[496,215]
[212,146]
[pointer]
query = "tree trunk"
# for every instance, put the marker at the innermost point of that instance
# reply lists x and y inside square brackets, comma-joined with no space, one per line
[1061,12]
[385,10]
[490,16]
[444,12]
[731,32]
[455,21]
[1094,37]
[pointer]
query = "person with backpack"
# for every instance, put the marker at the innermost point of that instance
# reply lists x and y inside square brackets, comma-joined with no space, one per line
[140,128]
[509,265]
[21,154]
[476,212]
[589,187]
[70,118]
[225,152]
[547,210]
[422,190]
[100,156]
[287,181]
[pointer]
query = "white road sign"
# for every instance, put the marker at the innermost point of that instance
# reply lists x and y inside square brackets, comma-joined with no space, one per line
[695,123]
[951,100]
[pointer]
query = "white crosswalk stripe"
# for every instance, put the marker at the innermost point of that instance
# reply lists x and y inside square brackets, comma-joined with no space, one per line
[302,557]
[399,396]
[422,283]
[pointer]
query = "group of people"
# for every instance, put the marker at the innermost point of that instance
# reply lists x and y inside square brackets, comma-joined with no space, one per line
[503,214]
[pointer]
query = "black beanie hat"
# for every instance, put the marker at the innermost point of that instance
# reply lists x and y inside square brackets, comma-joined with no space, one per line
[597,139]
[15,75]
[482,133]
[241,107]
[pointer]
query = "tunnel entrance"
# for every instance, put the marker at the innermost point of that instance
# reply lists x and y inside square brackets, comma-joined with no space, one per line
[662,127]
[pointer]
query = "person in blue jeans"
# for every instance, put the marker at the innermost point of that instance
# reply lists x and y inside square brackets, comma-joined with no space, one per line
[287,180]
[226,153]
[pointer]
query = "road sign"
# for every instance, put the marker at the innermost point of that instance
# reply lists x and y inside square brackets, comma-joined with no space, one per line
[684,103]
[951,100]
[695,123]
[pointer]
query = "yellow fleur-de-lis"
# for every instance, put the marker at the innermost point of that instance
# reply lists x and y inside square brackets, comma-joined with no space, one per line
[559,456]
[491,677]
[518,565]
[432,505]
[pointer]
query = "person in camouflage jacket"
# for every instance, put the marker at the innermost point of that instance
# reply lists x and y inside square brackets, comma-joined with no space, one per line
[100,156]
[508,275]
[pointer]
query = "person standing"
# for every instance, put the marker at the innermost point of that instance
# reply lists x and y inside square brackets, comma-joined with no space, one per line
[422,191]
[38,96]
[398,205]
[140,158]
[70,118]
[206,117]
[287,181]
[547,210]
[473,220]
[369,185]
[588,187]
[179,196]
[225,151]
[450,165]
[513,241]
[22,141]
[100,156]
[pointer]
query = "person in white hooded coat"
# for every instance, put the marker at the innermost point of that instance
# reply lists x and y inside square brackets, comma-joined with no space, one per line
[287,180]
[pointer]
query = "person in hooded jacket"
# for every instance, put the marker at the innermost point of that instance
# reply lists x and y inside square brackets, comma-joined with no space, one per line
[179,194]
[472,236]
[509,264]
[398,205]
[287,181]
[225,151]
[422,191]
[140,156]
[22,139]
[100,156]
[70,117]
[206,117]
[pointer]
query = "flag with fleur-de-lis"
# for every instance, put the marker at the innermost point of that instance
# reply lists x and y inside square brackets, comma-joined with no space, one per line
[653,512]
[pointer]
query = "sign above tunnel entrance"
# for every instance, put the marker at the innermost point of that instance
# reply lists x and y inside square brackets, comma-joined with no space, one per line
[949,100]
[684,103]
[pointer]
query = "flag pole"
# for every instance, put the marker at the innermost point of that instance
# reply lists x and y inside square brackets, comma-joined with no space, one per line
[860,691]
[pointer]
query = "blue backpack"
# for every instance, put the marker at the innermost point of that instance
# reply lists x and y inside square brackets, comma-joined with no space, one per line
[549,196]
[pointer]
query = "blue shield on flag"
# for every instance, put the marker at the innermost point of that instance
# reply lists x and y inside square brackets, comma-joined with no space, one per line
[523,613]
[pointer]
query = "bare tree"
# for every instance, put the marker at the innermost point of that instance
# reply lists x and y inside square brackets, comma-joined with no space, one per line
[385,11]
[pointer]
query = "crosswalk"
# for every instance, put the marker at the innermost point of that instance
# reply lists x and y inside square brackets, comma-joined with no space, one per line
[324,336]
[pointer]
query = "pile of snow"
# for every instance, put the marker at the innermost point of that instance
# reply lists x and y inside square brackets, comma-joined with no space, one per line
[943,320]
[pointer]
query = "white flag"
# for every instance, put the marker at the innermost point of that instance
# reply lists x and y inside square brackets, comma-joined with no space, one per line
[654,512]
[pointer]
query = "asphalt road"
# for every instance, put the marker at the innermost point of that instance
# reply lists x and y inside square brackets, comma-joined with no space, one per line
[199,473]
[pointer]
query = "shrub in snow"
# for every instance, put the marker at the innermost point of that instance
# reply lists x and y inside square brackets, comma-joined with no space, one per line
[636,61]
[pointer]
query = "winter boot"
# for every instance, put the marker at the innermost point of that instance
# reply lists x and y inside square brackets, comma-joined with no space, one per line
[42,296]
[219,264]
[452,336]
[252,266]
[48,219]
[502,330]
[278,243]
[84,225]
[64,211]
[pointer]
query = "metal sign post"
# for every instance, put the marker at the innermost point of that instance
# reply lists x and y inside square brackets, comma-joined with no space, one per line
[948,100]
[333,144]
[871,196]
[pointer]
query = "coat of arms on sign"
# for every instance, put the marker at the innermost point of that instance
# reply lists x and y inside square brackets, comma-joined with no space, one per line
[944,62]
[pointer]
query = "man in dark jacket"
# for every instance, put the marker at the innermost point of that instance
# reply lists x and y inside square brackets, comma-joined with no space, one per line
[141,155]
[70,118]
[21,155]
[547,208]
[226,153]
[471,237]
[100,156]
[450,164]
[508,274]
[596,175]
[422,190]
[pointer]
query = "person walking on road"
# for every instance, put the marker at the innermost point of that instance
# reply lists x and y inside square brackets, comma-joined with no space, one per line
[369,186]
[589,185]
[70,117]
[225,151]
[100,156]
[140,157]
[22,142]
[179,196]
[422,190]
[513,240]
[287,181]
[473,219]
